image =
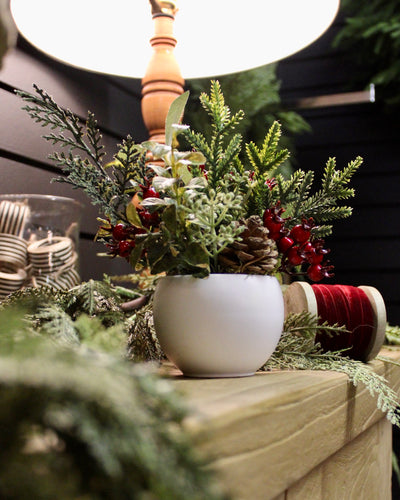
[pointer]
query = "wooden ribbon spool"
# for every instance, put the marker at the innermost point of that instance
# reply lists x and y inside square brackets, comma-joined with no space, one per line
[360,309]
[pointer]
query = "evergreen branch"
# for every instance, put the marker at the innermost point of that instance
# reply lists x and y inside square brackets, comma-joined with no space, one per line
[321,206]
[115,430]
[302,187]
[94,136]
[56,324]
[199,143]
[297,349]
[392,334]
[334,181]
[47,112]
[268,157]
[286,190]
[220,114]
[82,174]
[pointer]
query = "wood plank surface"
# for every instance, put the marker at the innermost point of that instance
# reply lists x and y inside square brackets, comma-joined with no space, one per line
[360,470]
[267,432]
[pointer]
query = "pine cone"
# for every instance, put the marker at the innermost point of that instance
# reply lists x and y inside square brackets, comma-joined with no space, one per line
[143,344]
[255,254]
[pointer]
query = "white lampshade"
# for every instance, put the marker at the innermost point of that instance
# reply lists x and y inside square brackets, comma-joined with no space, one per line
[215,37]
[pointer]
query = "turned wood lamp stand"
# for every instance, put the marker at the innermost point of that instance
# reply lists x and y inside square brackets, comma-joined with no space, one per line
[163,81]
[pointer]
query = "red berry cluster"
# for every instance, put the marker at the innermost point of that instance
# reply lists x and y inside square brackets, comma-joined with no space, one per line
[297,245]
[122,236]
[148,219]
[122,239]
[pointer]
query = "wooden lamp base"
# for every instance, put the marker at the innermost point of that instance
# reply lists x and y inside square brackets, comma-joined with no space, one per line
[163,81]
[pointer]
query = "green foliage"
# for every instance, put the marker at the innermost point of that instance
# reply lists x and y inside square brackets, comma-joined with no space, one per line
[88,314]
[392,334]
[75,424]
[371,38]
[181,209]
[108,186]
[256,92]
[297,350]
[322,206]
[222,150]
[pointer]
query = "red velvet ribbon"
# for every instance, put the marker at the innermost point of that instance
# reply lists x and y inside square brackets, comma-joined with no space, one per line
[346,306]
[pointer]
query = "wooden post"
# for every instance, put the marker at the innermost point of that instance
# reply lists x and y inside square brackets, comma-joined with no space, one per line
[163,81]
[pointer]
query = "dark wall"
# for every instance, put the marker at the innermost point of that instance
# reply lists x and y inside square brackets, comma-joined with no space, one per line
[24,166]
[366,247]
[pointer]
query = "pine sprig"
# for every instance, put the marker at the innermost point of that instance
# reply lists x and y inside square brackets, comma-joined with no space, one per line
[222,150]
[268,157]
[297,349]
[83,161]
[115,430]
[219,112]
[45,111]
[53,322]
[322,206]
[392,334]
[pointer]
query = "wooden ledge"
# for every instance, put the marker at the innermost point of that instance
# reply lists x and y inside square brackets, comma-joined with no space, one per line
[268,432]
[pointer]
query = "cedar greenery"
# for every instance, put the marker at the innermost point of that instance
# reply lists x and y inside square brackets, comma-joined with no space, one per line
[199,196]
[77,423]
[297,349]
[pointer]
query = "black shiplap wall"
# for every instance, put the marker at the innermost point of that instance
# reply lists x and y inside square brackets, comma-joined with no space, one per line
[366,247]
[24,166]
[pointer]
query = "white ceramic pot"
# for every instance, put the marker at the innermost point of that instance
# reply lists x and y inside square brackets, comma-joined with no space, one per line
[226,325]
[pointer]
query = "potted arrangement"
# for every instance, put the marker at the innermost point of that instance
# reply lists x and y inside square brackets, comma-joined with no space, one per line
[215,219]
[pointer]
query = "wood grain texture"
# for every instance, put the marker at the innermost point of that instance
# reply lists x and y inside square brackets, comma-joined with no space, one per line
[267,432]
[360,470]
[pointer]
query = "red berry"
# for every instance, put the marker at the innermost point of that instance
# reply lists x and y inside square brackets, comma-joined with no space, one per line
[272,219]
[315,251]
[125,247]
[271,183]
[300,233]
[285,243]
[150,192]
[273,226]
[275,236]
[204,171]
[149,219]
[119,232]
[316,272]
[294,257]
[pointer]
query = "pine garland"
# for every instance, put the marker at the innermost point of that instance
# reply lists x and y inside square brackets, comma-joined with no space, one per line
[75,424]
[297,350]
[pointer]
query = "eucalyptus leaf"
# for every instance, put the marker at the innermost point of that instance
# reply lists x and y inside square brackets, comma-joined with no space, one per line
[169,218]
[197,183]
[159,170]
[184,174]
[163,183]
[132,215]
[136,254]
[195,158]
[158,150]
[153,202]
[174,116]
[195,255]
